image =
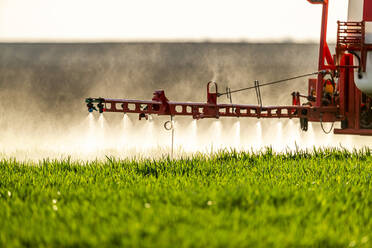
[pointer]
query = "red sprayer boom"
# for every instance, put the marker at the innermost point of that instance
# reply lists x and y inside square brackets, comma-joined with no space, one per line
[332,96]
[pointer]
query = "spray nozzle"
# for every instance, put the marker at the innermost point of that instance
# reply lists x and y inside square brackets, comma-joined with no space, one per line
[90,105]
[101,107]
[143,115]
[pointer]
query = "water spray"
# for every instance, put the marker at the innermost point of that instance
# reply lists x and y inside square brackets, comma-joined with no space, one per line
[259,134]
[237,135]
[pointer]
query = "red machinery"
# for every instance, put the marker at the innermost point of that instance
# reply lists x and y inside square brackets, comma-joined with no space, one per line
[332,96]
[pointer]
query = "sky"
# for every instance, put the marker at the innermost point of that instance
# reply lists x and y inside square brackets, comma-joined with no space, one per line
[165,20]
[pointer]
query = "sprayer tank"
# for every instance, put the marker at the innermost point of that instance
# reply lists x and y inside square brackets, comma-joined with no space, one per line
[361,10]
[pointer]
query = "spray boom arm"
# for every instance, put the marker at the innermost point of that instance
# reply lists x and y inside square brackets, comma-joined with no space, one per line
[160,105]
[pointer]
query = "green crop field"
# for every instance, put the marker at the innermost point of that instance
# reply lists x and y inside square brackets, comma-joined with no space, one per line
[321,198]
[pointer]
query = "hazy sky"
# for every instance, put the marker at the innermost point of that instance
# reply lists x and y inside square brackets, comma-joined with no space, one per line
[133,20]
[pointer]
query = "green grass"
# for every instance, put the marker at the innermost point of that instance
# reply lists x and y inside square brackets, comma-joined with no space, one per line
[321,198]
